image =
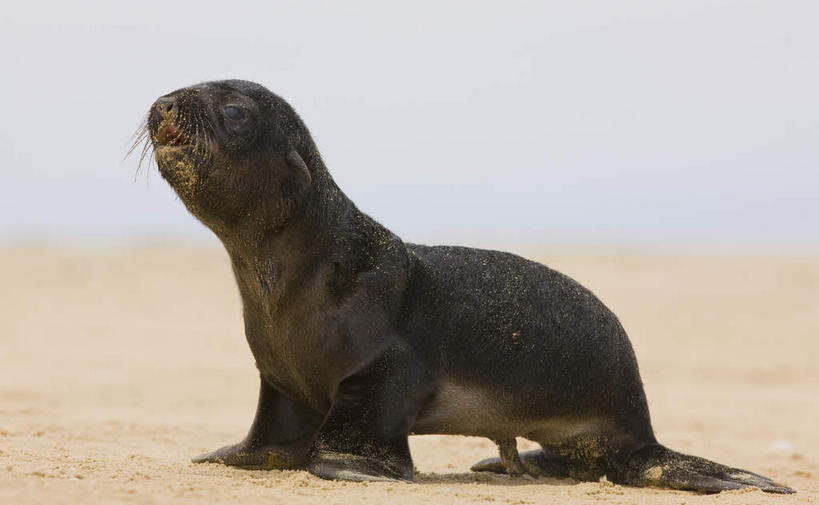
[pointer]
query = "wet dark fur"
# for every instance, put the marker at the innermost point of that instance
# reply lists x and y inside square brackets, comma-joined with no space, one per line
[362,339]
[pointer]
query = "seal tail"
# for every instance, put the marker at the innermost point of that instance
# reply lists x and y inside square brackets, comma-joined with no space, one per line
[658,466]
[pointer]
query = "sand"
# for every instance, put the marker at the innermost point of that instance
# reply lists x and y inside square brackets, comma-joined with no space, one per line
[117,365]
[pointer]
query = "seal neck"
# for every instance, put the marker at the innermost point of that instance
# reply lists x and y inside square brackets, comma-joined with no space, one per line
[314,226]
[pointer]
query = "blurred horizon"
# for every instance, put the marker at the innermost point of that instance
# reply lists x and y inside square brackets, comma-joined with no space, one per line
[673,126]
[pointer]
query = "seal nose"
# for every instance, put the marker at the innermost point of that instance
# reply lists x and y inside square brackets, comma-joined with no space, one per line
[165,106]
[164,109]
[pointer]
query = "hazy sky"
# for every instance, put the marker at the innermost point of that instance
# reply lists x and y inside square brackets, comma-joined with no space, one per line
[652,124]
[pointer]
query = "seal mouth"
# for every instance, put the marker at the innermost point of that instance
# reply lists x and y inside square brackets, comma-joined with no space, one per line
[168,135]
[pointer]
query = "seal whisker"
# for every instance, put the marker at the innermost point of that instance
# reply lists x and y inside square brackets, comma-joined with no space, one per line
[138,139]
[181,122]
[141,139]
[147,153]
[141,130]
[207,140]
[201,132]
[147,147]
[196,143]
[210,137]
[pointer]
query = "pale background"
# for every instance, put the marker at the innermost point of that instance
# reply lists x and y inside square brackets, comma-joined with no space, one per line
[633,124]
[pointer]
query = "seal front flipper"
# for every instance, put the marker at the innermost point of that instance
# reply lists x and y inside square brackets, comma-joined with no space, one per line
[658,466]
[279,437]
[364,436]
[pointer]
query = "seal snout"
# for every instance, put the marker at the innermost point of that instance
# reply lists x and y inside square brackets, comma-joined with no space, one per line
[163,123]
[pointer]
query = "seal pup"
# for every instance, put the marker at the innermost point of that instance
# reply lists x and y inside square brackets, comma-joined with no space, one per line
[362,339]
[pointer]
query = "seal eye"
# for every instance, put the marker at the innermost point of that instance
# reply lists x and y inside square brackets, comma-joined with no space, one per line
[234,113]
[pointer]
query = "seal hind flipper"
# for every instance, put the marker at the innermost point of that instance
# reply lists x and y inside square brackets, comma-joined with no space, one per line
[652,466]
[510,459]
[508,449]
[537,463]
[658,466]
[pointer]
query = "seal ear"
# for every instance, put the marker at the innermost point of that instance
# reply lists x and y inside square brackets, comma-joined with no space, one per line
[294,160]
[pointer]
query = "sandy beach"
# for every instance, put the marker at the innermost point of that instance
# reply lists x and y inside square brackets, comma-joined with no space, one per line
[117,365]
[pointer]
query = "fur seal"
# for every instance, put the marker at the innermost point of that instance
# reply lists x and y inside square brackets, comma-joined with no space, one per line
[362,339]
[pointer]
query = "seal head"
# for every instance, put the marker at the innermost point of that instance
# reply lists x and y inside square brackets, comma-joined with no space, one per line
[231,149]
